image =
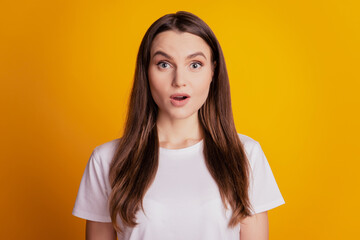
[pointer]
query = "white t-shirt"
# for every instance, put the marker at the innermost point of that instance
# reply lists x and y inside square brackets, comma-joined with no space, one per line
[183,202]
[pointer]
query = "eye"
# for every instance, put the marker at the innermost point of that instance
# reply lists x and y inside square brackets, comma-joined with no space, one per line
[163,65]
[196,65]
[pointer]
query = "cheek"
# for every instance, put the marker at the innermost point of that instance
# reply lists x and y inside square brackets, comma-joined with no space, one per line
[154,89]
[157,88]
[203,87]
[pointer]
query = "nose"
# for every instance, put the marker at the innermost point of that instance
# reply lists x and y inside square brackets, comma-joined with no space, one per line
[179,78]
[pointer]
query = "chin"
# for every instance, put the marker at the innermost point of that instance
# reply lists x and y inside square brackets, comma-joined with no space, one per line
[180,115]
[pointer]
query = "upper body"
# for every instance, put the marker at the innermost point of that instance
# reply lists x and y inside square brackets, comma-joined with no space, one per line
[183,202]
[180,112]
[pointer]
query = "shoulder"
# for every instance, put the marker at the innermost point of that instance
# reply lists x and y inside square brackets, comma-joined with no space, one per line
[104,153]
[248,142]
[252,148]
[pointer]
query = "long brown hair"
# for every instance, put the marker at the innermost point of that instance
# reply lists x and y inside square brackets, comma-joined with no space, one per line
[135,162]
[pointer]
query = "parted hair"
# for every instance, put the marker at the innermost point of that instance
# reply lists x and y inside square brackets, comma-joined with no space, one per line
[135,162]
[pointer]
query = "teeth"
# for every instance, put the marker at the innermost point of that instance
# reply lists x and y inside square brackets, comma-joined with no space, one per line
[180,97]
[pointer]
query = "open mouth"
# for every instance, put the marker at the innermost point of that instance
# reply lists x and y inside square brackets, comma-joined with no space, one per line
[179,98]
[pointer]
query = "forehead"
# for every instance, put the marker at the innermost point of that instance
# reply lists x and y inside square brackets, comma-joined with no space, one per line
[179,44]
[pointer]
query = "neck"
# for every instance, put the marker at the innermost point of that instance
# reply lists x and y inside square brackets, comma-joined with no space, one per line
[178,133]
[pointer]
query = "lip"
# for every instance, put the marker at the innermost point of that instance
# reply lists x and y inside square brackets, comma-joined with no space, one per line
[179,94]
[179,103]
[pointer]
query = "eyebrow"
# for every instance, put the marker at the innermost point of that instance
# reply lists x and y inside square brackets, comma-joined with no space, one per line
[188,57]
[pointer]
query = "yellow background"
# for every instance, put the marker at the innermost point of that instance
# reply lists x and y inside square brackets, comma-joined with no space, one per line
[66,69]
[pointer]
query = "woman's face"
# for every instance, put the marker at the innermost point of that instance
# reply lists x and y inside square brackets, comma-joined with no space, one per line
[180,73]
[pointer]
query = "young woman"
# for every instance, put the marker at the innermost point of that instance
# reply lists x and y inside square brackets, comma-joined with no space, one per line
[180,170]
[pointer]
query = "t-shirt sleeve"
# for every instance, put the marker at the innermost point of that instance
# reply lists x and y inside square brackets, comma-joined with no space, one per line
[264,192]
[92,198]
